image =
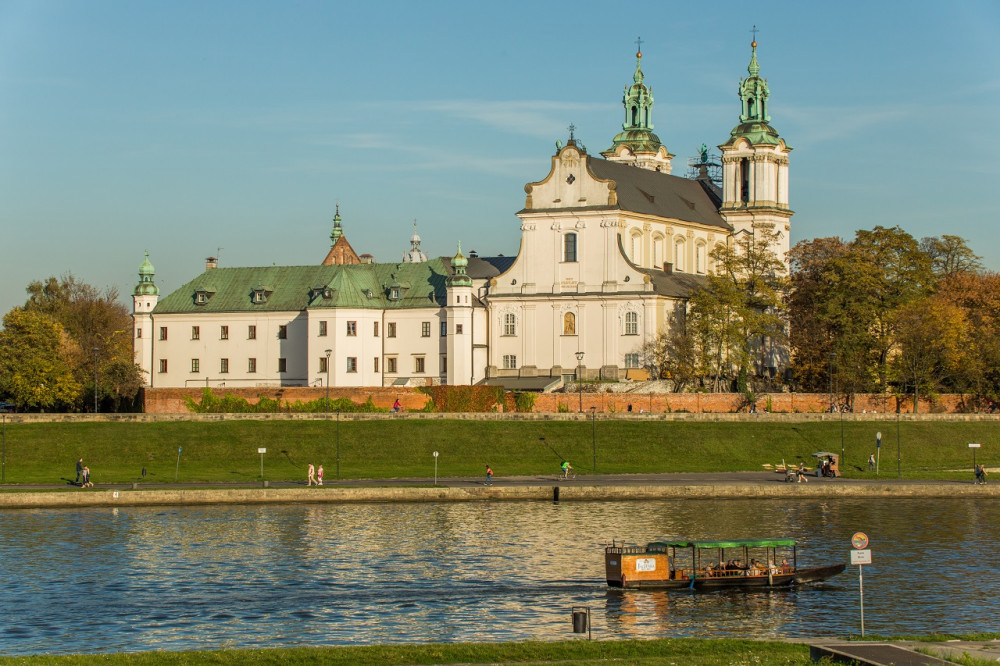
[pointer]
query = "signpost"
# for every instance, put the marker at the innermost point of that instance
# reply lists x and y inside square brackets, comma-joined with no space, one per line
[860,556]
[435,468]
[878,450]
[177,469]
[262,451]
[974,446]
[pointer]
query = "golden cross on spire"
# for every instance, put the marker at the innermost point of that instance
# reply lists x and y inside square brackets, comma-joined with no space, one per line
[754,31]
[638,46]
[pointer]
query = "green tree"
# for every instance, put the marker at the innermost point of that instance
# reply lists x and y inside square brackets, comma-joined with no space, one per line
[34,369]
[950,255]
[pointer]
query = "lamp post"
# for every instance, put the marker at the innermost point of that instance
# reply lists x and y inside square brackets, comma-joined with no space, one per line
[338,443]
[3,459]
[899,457]
[833,359]
[579,376]
[328,352]
[96,349]
[593,420]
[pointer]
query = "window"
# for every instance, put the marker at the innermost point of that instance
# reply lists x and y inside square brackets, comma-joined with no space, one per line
[322,364]
[569,247]
[251,332]
[636,245]
[163,365]
[259,296]
[282,332]
[699,259]
[390,329]
[744,176]
[444,329]
[252,365]
[195,365]
[224,333]
[352,328]
[631,360]
[376,328]
[425,329]
[200,298]
[352,363]
[631,323]
[509,362]
[196,332]
[163,332]
[394,294]
[458,329]
[390,365]
[510,324]
[657,252]
[679,255]
[322,329]
[418,364]
[444,365]
[376,364]
[569,324]
[224,365]
[282,365]
[138,332]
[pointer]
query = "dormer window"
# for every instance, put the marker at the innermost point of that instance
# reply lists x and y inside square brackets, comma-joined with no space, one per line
[327,293]
[260,294]
[201,296]
[394,293]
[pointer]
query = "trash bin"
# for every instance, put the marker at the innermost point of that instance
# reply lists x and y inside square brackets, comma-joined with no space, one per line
[579,621]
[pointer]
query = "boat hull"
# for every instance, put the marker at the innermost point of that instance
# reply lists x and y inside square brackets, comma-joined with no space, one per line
[725,582]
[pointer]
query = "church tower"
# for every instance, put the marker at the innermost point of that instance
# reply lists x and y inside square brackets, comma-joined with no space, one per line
[144,298]
[341,251]
[459,321]
[636,144]
[755,165]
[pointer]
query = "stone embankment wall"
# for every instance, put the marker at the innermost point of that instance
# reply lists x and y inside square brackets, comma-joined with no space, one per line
[173,400]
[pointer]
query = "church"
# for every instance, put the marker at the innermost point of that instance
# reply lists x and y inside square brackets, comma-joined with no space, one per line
[612,246]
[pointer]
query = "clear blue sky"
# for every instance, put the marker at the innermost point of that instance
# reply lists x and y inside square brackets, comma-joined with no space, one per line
[181,127]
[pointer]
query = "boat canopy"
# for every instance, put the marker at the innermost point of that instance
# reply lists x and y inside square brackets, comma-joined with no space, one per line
[746,543]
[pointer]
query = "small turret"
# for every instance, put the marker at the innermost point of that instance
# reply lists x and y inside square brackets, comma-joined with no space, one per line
[459,263]
[146,286]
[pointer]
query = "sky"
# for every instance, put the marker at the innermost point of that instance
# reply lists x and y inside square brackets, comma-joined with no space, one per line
[193,129]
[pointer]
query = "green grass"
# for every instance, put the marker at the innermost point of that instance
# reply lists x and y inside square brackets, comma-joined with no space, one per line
[689,652]
[227,451]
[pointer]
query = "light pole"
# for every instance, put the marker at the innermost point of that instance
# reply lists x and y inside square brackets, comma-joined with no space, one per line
[833,359]
[899,457]
[3,459]
[328,352]
[579,376]
[593,420]
[338,442]
[96,349]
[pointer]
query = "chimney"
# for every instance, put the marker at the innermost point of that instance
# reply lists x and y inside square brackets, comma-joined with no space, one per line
[473,254]
[668,267]
[366,259]
[210,263]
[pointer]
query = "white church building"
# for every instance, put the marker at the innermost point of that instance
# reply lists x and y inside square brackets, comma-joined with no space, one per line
[611,246]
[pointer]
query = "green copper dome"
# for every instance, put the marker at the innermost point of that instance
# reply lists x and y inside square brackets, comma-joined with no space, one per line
[337,229]
[459,263]
[637,130]
[754,120]
[146,286]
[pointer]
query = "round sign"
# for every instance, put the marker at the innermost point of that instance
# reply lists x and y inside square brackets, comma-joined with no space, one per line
[435,454]
[859,540]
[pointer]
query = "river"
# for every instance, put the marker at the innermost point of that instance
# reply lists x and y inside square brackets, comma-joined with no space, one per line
[207,577]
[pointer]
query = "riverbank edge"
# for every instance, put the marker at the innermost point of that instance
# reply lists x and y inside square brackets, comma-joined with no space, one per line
[99,497]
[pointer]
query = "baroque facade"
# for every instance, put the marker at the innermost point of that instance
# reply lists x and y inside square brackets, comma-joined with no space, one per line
[611,247]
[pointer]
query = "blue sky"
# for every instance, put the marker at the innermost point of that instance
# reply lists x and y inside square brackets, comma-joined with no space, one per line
[182,127]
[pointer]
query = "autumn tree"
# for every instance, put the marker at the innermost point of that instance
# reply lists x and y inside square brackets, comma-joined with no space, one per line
[35,372]
[950,255]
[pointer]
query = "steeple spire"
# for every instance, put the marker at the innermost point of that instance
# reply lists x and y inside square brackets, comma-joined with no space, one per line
[146,287]
[337,229]
[754,118]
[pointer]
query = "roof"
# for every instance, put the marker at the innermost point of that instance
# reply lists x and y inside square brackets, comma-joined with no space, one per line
[543,384]
[487,267]
[655,193]
[677,285]
[744,543]
[296,288]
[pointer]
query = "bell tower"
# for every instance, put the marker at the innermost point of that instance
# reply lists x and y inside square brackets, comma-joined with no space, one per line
[144,298]
[755,165]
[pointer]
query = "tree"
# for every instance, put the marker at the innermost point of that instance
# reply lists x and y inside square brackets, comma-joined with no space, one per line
[93,319]
[950,255]
[34,368]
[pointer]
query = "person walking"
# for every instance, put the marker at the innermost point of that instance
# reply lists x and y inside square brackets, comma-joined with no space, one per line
[85,477]
[319,476]
[566,468]
[310,475]
[79,470]
[489,475]
[871,462]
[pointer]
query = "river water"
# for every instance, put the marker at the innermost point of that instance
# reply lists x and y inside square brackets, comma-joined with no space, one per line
[206,577]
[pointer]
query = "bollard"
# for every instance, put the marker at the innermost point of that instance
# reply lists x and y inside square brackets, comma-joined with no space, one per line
[265,484]
[135,486]
[555,493]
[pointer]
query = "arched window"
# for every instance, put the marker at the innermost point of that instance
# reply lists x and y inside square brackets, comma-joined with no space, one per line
[679,254]
[509,324]
[657,251]
[635,116]
[699,258]
[744,180]
[631,323]
[569,247]
[569,324]
[635,249]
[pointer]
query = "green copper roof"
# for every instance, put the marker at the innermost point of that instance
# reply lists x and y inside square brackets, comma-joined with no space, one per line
[297,288]
[754,119]
[337,230]
[459,264]
[637,130]
[146,286]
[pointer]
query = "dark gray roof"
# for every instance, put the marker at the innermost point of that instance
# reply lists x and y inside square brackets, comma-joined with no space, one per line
[676,285]
[655,193]
[487,267]
[543,384]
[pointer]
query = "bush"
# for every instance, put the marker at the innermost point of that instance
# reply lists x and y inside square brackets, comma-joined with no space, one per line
[524,401]
[231,404]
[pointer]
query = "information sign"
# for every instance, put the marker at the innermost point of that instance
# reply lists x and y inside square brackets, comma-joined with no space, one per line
[859,540]
[861,557]
[974,446]
[261,450]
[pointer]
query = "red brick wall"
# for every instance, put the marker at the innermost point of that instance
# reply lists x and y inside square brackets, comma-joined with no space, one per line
[171,401]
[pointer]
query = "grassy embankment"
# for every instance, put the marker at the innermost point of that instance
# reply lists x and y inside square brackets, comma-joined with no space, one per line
[399,448]
[690,652]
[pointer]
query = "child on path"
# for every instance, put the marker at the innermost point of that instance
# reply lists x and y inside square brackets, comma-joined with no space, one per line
[871,462]
[489,475]
[85,477]
[310,475]
[319,476]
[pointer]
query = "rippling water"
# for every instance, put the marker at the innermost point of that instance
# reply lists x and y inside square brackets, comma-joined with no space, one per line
[129,579]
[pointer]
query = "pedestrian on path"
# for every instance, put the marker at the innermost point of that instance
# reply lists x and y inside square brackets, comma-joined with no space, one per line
[871,462]
[319,476]
[85,477]
[310,475]
[79,470]
[489,475]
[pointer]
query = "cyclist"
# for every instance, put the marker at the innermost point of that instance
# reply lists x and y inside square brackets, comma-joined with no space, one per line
[566,468]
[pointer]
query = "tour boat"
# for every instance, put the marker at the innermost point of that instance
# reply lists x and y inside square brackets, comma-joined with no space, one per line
[710,565]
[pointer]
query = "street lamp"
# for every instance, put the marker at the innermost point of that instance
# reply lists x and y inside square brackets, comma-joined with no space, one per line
[328,352]
[593,420]
[338,442]
[3,459]
[96,349]
[579,376]
[833,359]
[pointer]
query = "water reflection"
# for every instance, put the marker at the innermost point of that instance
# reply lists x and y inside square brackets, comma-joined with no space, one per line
[207,577]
